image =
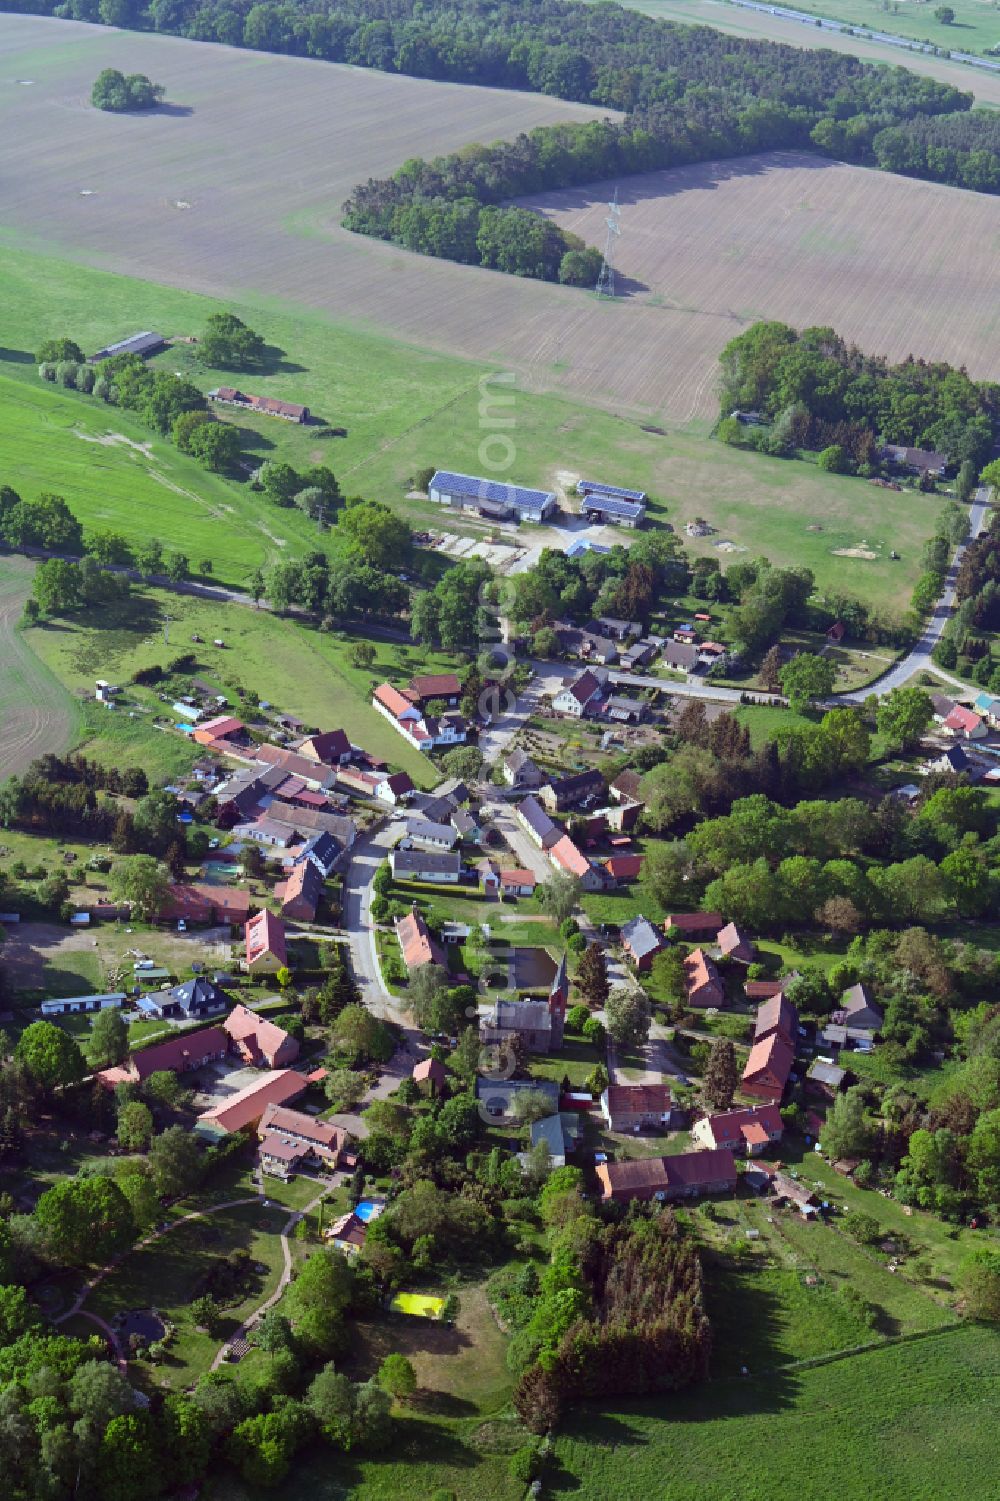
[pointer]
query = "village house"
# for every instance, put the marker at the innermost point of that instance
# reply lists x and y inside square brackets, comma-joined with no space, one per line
[989,707]
[734,944]
[565,856]
[420,835]
[222,734]
[537,823]
[580,696]
[748,1131]
[702,981]
[639,654]
[825,1080]
[680,656]
[520,771]
[567,792]
[623,709]
[331,748]
[191,1001]
[560,1133]
[415,941]
[965,724]
[942,706]
[290,1140]
[953,759]
[394,789]
[435,688]
[622,869]
[767,1070]
[466,826]
[516,882]
[422,730]
[431,1075]
[300,893]
[626,787]
[777,1017]
[918,460]
[683,1176]
[265,944]
[258,1041]
[442,868]
[320,850]
[499,1097]
[618,630]
[638,1107]
[857,1009]
[641,942]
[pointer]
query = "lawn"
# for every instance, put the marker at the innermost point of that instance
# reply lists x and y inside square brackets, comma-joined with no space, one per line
[303,670]
[165,1275]
[895,1422]
[575,1060]
[402,408]
[118,475]
[36,712]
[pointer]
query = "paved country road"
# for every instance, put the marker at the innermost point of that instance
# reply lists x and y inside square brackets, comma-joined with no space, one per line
[918,659]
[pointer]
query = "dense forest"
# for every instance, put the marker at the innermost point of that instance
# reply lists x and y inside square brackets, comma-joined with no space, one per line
[689,94]
[819,391]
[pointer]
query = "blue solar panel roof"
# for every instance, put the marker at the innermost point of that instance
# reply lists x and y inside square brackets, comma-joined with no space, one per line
[492,490]
[594,487]
[613,505]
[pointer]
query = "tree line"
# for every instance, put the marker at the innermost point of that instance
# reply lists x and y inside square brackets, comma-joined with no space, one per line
[817,390]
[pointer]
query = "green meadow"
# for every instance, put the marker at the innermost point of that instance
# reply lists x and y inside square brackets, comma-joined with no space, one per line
[390,409]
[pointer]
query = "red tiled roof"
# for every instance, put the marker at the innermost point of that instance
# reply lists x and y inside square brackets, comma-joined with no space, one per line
[304,884]
[416,942]
[265,934]
[436,685]
[517,878]
[178,1053]
[297,1123]
[624,867]
[643,1098]
[430,1069]
[694,922]
[726,1125]
[962,718]
[390,698]
[565,854]
[248,1105]
[262,1039]
[771,1055]
[217,729]
[777,1014]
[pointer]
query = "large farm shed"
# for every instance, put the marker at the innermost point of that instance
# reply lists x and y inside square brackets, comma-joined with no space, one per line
[490,497]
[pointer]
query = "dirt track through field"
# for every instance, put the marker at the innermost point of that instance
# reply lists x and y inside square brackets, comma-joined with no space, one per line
[36,713]
[235,189]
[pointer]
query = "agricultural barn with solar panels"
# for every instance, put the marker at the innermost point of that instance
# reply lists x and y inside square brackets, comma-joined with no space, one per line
[611,504]
[491,498]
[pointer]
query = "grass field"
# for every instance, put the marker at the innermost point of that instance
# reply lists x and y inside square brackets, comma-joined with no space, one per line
[119,476]
[886,1425]
[402,409]
[36,712]
[900,18]
[303,671]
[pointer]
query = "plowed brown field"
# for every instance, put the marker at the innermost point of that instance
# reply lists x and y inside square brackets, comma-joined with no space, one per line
[234,188]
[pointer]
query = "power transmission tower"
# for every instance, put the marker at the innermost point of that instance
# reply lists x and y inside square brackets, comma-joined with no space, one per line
[606,280]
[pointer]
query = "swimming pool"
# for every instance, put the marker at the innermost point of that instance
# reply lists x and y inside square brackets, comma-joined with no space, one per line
[367,1210]
[419,1304]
